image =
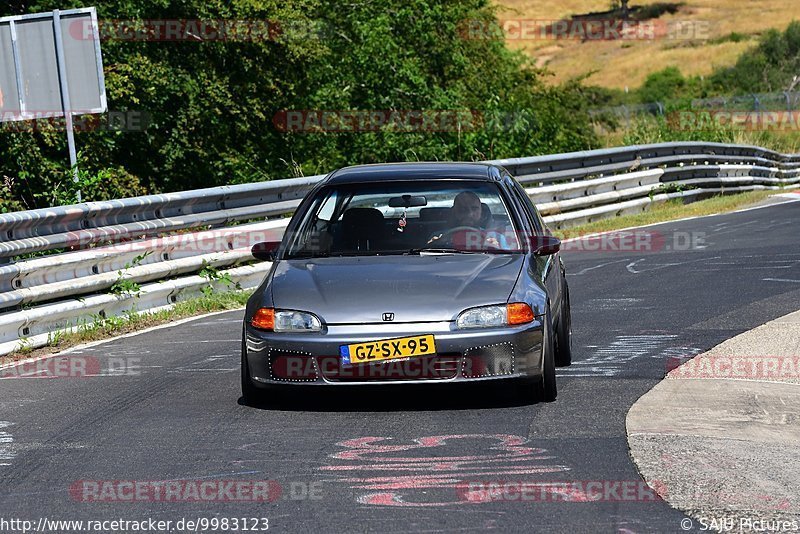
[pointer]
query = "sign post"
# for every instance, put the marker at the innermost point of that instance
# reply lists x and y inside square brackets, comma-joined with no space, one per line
[63,82]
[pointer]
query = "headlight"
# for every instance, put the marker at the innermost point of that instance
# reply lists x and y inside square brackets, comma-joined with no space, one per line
[285,321]
[495,316]
[295,321]
[485,317]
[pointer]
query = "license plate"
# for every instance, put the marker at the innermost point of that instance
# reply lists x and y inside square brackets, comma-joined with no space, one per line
[387,349]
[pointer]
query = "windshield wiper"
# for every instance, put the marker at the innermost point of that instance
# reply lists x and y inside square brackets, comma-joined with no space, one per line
[304,255]
[360,253]
[439,250]
[307,254]
[347,254]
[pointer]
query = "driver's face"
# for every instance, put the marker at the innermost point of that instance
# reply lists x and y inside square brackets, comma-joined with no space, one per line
[468,211]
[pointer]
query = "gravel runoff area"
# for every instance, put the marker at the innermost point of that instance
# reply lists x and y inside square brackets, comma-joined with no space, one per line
[720,435]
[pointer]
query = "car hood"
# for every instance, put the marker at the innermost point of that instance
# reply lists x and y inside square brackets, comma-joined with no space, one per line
[414,288]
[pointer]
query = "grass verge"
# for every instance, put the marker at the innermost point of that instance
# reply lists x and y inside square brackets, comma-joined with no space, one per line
[106,327]
[669,211]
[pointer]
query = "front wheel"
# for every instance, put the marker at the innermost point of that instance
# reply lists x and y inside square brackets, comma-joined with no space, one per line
[544,386]
[548,390]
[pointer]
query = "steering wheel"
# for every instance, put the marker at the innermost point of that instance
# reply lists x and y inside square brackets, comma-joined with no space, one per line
[447,236]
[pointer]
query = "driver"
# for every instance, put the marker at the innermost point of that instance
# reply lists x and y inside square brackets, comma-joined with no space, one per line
[466,210]
[466,213]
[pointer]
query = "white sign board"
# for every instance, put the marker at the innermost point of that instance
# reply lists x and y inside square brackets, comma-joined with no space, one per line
[51,65]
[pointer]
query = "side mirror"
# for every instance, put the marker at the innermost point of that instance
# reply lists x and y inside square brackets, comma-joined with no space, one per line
[265,251]
[545,245]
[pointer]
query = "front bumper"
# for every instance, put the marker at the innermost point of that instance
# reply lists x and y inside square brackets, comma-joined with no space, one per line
[462,355]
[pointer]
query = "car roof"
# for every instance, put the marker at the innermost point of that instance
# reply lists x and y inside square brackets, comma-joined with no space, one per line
[415,171]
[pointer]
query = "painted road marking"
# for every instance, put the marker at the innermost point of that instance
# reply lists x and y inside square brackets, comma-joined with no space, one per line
[587,269]
[397,476]
[613,359]
[6,445]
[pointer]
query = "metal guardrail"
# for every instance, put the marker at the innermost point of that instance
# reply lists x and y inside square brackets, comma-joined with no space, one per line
[96,222]
[96,248]
[759,102]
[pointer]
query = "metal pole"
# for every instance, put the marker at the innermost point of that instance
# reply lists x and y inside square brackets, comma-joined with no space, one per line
[17,68]
[65,103]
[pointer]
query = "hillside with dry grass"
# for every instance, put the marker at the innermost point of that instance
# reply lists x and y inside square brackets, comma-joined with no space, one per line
[716,33]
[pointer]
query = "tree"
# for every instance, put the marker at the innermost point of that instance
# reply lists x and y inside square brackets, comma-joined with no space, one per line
[622,7]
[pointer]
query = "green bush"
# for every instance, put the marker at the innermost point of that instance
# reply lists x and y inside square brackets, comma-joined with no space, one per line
[769,67]
[646,130]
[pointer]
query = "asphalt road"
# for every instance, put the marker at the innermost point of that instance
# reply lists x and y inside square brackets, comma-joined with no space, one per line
[164,406]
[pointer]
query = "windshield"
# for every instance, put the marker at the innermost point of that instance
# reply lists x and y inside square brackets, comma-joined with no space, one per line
[405,218]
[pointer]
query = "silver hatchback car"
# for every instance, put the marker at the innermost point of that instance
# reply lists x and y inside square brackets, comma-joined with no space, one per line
[410,273]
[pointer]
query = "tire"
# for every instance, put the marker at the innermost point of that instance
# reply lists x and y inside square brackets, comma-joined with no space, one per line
[564,331]
[250,394]
[548,391]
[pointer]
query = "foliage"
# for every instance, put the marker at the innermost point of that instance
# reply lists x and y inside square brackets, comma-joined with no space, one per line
[662,85]
[125,287]
[213,274]
[648,129]
[667,188]
[769,67]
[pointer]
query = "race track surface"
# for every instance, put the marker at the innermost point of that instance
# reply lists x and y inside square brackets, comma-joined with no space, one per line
[397,459]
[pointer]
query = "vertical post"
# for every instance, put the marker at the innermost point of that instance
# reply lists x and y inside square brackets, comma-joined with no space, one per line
[65,103]
[17,67]
[4,260]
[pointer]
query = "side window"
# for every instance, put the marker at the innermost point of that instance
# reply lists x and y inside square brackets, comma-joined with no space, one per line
[538,216]
[328,207]
[314,232]
[527,206]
